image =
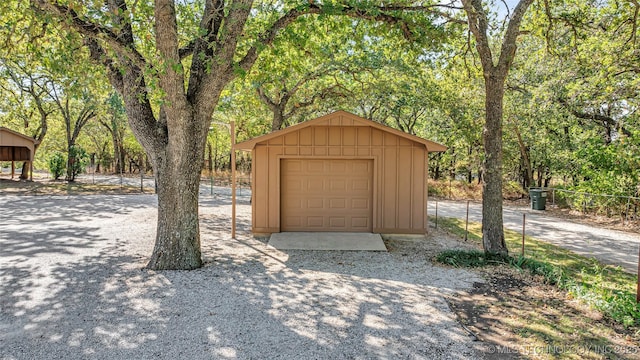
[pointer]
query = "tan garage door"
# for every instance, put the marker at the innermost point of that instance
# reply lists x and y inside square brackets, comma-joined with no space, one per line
[326,195]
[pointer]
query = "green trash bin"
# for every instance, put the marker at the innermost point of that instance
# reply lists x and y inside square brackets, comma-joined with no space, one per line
[538,199]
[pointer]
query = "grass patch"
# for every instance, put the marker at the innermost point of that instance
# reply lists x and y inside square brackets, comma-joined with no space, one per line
[606,288]
[65,188]
[469,258]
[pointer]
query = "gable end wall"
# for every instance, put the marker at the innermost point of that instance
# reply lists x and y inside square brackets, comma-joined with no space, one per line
[399,182]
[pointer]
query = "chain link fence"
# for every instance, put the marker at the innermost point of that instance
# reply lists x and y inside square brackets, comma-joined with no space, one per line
[210,184]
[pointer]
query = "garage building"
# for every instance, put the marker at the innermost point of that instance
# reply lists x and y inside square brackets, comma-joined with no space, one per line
[341,173]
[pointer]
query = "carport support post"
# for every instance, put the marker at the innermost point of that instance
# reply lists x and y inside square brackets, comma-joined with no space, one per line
[233,180]
[13,169]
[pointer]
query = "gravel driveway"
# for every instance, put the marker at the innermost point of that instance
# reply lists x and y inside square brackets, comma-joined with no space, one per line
[609,246]
[73,287]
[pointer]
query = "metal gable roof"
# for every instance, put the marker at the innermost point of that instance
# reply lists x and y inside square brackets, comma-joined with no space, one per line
[340,118]
[15,133]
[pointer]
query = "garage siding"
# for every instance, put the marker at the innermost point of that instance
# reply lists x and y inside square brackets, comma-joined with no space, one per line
[399,181]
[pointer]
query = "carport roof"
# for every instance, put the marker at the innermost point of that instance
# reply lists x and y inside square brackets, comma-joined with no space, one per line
[334,119]
[15,133]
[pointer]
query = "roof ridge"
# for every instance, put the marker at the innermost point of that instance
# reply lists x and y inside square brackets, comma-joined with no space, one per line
[250,144]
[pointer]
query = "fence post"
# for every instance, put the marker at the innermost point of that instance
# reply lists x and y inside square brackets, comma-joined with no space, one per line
[553,197]
[141,180]
[524,220]
[436,214]
[626,215]
[466,226]
[638,284]
[211,182]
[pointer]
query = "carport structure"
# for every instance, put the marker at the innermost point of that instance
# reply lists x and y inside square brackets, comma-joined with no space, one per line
[339,173]
[17,147]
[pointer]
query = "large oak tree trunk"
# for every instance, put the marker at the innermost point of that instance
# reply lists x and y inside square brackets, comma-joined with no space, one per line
[177,169]
[178,231]
[492,232]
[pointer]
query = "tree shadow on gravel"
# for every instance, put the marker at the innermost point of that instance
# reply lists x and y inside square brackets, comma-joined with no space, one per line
[33,210]
[33,226]
[355,304]
[249,301]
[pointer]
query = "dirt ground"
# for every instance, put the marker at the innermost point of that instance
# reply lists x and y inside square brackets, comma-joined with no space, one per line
[513,315]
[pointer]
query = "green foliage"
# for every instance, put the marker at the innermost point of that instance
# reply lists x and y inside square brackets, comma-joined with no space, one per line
[470,258]
[77,162]
[57,165]
[608,289]
[552,274]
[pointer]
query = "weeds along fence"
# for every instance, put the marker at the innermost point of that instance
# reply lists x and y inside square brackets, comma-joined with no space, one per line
[223,179]
[146,182]
[626,207]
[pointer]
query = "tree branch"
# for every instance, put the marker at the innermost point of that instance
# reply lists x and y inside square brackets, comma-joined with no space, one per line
[272,104]
[188,49]
[380,13]
[477,21]
[99,55]
[508,50]
[166,25]
[91,29]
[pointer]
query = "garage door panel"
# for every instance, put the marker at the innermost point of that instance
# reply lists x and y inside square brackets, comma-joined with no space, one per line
[361,167]
[326,195]
[295,165]
[315,221]
[360,184]
[338,185]
[339,167]
[360,222]
[293,221]
[294,185]
[312,184]
[337,222]
[314,203]
[294,204]
[337,203]
[360,203]
[315,165]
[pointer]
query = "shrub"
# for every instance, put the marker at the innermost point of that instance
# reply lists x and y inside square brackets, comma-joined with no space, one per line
[470,258]
[78,159]
[57,165]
